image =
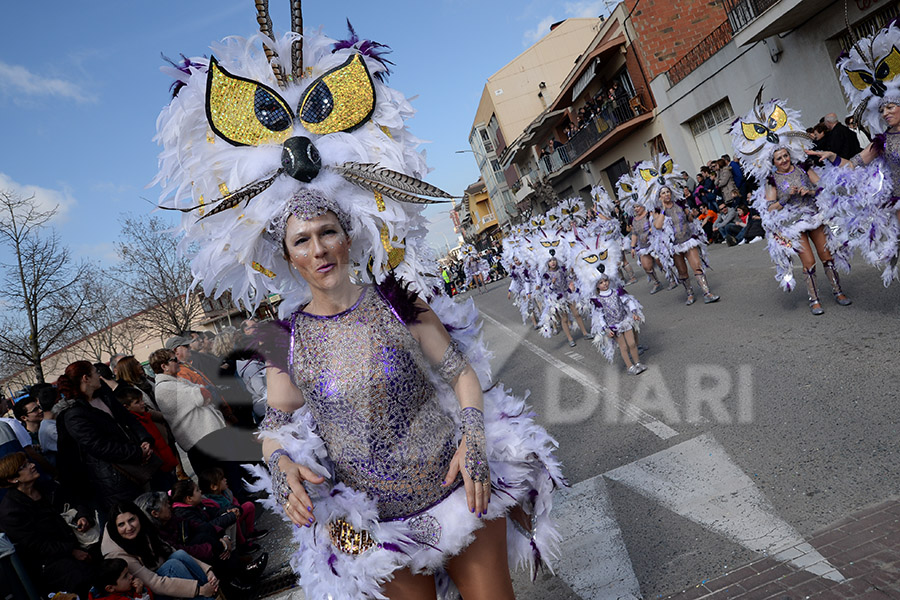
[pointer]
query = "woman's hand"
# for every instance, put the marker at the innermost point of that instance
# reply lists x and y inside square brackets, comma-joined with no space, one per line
[611,334]
[146,451]
[823,154]
[478,495]
[209,588]
[298,505]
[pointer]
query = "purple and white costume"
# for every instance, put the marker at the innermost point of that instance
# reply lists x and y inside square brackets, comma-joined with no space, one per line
[380,423]
[613,311]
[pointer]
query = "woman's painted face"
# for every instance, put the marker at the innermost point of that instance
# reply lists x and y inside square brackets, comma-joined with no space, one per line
[665,195]
[319,249]
[782,160]
[890,112]
[639,211]
[128,525]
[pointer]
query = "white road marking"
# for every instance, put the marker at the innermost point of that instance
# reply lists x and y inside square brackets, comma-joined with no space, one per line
[595,561]
[698,480]
[589,382]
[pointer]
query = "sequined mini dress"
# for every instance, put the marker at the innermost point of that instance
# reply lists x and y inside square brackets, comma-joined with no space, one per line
[892,158]
[363,377]
[681,224]
[803,209]
[641,229]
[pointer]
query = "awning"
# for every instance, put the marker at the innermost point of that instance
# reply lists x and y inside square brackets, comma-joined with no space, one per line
[584,80]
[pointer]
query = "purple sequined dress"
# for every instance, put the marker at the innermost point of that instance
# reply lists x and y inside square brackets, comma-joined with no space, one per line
[381,427]
[800,209]
[363,377]
[642,229]
[686,235]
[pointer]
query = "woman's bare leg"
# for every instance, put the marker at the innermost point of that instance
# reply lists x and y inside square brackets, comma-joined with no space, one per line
[631,345]
[481,572]
[817,237]
[623,350]
[406,586]
[564,321]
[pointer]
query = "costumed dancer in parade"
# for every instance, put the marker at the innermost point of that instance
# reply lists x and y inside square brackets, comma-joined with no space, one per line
[641,229]
[514,260]
[863,202]
[610,226]
[475,267]
[557,285]
[615,314]
[770,143]
[377,436]
[682,238]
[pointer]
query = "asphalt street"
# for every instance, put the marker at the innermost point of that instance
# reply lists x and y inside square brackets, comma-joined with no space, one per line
[756,425]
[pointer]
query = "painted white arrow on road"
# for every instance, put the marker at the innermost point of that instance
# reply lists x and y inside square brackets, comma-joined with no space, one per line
[698,480]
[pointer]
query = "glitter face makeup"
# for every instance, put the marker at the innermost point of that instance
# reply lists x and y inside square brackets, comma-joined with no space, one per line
[313,250]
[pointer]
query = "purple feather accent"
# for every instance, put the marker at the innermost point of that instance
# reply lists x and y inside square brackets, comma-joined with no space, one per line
[331,560]
[335,492]
[771,181]
[185,67]
[368,48]
[620,291]
[538,562]
[272,343]
[392,547]
[532,494]
[401,300]
[596,302]
[878,143]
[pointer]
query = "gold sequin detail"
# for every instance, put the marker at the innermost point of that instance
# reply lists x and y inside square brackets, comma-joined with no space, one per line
[245,112]
[386,131]
[201,202]
[379,201]
[340,100]
[258,267]
[223,189]
[395,255]
[210,137]
[346,539]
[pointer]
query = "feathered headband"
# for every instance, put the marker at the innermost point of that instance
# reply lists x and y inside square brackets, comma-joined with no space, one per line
[767,128]
[653,175]
[870,76]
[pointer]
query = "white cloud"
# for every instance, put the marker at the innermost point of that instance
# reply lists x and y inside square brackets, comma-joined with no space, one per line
[580,9]
[46,198]
[105,252]
[15,79]
[542,29]
[585,9]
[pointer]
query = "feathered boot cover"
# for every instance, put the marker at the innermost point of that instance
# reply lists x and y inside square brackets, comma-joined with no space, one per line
[813,290]
[708,297]
[832,275]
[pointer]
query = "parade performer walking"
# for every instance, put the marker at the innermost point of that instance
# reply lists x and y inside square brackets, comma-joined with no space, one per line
[863,202]
[641,229]
[558,290]
[378,436]
[682,240]
[770,144]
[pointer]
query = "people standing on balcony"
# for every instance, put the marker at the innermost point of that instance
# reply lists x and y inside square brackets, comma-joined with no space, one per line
[770,144]
[862,198]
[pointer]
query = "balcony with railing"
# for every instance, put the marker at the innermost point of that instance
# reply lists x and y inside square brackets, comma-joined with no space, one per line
[715,41]
[611,121]
[742,12]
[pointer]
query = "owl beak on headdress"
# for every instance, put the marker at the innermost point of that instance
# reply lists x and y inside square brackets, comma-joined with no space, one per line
[300,159]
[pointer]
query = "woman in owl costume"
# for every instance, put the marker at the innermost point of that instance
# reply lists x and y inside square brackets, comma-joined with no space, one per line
[771,144]
[607,223]
[678,241]
[518,260]
[291,161]
[641,230]
[863,197]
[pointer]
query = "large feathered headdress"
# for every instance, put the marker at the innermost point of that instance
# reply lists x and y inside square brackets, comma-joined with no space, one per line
[653,175]
[266,118]
[870,75]
[767,128]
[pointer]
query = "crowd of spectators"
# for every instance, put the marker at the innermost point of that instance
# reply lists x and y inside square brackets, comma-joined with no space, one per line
[113,479]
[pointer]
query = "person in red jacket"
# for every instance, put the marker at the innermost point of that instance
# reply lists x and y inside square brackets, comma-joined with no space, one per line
[133,399]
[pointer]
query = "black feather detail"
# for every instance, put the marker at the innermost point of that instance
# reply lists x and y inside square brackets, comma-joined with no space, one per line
[400,298]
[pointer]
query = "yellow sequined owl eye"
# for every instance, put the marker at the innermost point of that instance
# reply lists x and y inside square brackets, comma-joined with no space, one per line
[244,112]
[591,258]
[340,100]
[604,254]
[753,131]
[648,174]
[625,188]
[861,80]
[778,118]
[668,167]
[889,67]
[545,244]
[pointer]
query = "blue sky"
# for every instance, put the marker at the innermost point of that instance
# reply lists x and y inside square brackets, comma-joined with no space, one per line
[80,88]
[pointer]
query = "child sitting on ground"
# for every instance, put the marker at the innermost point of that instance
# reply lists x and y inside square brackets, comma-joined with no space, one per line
[218,497]
[113,581]
[616,315]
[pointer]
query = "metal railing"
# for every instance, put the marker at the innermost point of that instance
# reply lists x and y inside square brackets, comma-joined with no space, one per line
[609,117]
[701,53]
[742,12]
